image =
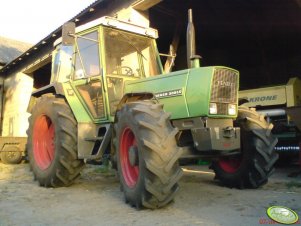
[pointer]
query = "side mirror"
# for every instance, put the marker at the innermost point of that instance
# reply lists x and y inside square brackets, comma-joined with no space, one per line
[68,32]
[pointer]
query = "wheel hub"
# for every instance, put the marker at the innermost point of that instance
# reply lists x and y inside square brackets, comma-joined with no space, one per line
[128,157]
[230,165]
[43,142]
[133,155]
[11,154]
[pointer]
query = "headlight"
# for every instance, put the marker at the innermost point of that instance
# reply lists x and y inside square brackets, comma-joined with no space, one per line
[213,109]
[232,109]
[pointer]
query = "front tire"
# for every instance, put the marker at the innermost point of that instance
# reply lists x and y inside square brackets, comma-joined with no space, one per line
[252,168]
[52,142]
[147,155]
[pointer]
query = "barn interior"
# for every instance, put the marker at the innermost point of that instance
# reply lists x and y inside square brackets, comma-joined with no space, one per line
[258,38]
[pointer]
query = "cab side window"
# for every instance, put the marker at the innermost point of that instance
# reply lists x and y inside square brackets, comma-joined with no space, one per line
[87,61]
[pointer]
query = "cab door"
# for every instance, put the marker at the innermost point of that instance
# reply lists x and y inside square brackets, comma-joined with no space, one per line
[88,79]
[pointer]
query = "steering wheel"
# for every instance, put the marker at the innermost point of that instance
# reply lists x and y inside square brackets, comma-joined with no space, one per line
[128,71]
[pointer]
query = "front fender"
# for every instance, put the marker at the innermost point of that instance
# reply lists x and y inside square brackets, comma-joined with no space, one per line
[130,97]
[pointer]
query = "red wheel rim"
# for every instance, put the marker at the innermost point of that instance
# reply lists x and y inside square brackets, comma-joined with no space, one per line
[230,165]
[130,173]
[43,142]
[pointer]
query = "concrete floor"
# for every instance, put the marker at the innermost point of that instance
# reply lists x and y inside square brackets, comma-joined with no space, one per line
[95,199]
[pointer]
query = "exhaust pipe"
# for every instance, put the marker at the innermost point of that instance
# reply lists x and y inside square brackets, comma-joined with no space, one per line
[193,60]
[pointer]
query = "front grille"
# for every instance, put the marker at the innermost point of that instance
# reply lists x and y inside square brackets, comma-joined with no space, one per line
[224,86]
[222,109]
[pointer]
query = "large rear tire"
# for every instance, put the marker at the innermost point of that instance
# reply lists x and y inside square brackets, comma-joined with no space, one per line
[252,168]
[147,155]
[52,142]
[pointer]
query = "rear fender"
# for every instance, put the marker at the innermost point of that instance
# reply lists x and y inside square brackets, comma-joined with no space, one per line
[56,88]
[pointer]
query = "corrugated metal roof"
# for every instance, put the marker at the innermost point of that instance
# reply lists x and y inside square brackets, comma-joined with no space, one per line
[10,49]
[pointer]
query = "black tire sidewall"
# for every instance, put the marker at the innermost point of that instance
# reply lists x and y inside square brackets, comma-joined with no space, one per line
[159,170]
[246,156]
[45,107]
[258,156]
[131,193]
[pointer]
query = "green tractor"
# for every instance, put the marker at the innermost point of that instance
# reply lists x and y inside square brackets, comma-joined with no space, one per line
[108,96]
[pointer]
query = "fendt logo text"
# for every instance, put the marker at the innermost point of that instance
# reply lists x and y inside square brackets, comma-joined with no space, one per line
[224,83]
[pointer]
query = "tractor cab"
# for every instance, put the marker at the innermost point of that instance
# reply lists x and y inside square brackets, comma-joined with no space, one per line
[104,55]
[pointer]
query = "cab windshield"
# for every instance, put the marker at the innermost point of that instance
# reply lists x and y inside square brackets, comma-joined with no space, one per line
[131,55]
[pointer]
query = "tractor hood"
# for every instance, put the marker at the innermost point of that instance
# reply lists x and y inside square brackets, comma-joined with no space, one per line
[188,93]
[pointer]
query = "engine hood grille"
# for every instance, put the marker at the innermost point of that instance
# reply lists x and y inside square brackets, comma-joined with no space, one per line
[224,86]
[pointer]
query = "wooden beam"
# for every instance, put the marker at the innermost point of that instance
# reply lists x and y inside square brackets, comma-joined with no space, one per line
[145,4]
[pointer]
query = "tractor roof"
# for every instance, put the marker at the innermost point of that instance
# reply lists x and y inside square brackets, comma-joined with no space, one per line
[116,24]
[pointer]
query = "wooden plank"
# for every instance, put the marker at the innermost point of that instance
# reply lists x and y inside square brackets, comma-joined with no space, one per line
[145,4]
